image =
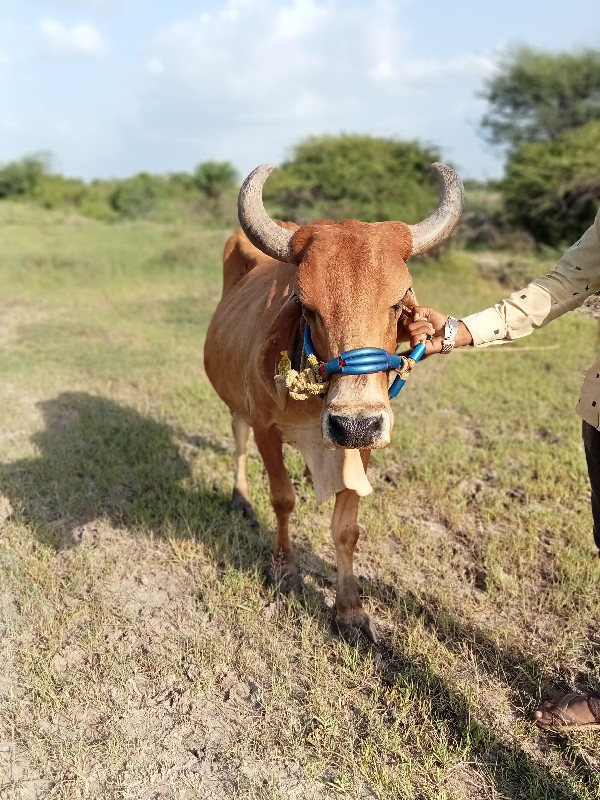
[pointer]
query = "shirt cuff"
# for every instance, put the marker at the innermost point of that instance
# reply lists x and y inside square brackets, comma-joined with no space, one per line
[485,326]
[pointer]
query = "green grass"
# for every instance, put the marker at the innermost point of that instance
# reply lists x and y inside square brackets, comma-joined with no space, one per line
[143,651]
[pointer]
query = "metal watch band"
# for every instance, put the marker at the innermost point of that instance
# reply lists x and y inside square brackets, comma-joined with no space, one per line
[450,331]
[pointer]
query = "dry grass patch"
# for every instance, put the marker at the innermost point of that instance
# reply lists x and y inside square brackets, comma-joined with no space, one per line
[144,652]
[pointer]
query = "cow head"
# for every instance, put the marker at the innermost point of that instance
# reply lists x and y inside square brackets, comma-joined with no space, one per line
[352,283]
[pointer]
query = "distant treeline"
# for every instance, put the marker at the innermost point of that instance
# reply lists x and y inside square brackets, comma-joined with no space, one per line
[543,111]
[208,192]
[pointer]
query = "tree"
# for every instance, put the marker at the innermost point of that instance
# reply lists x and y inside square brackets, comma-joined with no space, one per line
[537,96]
[213,178]
[552,189]
[56,191]
[137,196]
[345,176]
[22,178]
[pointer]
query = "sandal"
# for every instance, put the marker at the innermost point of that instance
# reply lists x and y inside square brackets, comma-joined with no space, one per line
[570,710]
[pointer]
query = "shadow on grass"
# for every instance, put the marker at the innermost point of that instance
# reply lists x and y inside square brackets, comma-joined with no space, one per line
[99,459]
[512,771]
[507,766]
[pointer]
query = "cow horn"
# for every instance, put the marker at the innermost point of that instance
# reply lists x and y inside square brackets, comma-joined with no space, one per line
[258,226]
[441,224]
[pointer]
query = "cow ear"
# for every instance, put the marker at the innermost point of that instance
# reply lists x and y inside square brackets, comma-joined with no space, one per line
[299,242]
[410,299]
[283,334]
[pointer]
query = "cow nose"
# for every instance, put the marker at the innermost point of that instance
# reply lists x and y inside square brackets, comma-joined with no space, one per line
[355,432]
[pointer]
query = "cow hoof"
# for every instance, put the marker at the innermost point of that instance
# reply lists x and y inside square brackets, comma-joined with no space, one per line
[243,506]
[287,581]
[291,583]
[353,632]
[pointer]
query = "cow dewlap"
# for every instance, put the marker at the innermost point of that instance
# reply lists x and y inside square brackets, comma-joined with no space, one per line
[335,470]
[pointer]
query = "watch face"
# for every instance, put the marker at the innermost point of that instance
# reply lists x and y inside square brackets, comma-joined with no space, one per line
[451,328]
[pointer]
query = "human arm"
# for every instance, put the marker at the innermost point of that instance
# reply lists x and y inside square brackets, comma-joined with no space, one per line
[575,277]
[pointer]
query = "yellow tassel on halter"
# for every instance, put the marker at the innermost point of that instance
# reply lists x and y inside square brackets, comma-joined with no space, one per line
[302,384]
[284,365]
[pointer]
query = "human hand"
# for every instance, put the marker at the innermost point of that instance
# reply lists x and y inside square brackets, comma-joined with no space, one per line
[427,321]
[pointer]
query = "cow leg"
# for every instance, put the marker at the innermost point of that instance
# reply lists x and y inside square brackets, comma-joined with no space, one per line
[239,498]
[283,499]
[350,615]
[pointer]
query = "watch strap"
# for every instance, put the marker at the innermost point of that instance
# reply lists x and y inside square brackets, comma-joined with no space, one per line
[450,331]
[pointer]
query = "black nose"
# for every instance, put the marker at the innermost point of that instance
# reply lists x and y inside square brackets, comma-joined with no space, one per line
[355,432]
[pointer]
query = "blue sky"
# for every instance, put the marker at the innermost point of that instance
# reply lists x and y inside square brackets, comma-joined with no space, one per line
[114,87]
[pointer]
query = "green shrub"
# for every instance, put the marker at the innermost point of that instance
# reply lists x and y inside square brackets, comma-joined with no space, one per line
[351,176]
[552,189]
[214,178]
[22,178]
[138,196]
[54,191]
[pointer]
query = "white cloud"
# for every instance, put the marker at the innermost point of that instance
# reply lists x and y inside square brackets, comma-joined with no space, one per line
[301,17]
[322,65]
[154,66]
[62,40]
[245,80]
[267,52]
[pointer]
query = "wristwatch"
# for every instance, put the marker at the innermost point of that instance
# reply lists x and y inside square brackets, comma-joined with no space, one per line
[450,331]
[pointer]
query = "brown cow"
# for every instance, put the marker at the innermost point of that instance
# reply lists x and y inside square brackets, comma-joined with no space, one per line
[349,282]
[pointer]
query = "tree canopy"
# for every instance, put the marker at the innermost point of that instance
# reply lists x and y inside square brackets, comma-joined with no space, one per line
[22,178]
[213,178]
[552,189]
[352,176]
[545,110]
[537,96]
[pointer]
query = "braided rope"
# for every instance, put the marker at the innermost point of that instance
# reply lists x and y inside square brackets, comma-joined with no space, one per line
[304,383]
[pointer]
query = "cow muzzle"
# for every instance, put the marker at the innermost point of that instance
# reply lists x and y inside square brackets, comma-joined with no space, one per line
[370,431]
[356,415]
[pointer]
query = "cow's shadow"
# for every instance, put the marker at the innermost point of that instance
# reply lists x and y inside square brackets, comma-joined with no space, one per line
[96,458]
[99,459]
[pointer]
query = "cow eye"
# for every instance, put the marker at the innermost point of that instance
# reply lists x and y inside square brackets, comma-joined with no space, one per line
[398,307]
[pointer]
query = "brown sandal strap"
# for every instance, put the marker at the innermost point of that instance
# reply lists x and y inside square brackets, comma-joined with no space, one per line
[593,701]
[561,712]
[562,716]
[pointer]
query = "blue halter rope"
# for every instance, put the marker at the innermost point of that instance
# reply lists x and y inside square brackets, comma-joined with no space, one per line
[365,360]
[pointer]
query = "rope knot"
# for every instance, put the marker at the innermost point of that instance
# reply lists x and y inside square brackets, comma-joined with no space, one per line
[303,383]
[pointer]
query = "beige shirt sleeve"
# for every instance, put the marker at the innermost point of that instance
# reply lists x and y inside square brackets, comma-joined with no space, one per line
[575,277]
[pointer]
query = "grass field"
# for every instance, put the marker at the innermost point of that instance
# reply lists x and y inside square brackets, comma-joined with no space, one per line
[143,651]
